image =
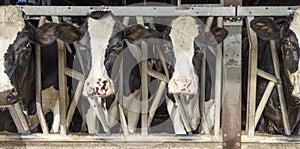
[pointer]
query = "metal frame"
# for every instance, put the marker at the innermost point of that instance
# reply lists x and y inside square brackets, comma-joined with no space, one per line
[162,11]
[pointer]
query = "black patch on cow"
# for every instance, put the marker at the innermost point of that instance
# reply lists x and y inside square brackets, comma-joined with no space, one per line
[290,52]
[99,14]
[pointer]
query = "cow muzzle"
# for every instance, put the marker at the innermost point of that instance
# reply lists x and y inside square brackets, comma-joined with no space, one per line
[99,88]
[182,86]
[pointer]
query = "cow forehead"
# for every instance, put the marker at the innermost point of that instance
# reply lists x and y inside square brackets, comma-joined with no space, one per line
[295,24]
[183,33]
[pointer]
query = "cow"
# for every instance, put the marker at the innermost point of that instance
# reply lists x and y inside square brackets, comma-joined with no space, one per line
[184,54]
[17,69]
[102,39]
[286,35]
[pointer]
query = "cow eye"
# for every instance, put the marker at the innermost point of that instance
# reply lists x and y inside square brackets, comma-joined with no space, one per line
[27,45]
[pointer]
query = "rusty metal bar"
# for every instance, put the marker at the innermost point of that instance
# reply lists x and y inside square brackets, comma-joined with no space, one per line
[252,79]
[285,118]
[232,68]
[157,75]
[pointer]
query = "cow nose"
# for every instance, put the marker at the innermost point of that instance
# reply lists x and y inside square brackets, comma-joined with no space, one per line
[181,86]
[97,87]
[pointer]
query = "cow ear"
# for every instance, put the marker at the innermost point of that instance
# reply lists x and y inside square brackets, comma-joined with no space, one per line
[67,32]
[45,33]
[135,32]
[265,28]
[217,34]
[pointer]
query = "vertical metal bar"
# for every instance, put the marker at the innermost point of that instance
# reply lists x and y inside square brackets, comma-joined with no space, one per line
[284,112]
[120,99]
[183,115]
[231,109]
[252,79]
[218,84]
[178,2]
[202,79]
[62,81]
[38,87]
[144,77]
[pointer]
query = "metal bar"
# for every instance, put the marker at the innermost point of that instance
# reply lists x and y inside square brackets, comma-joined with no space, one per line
[183,116]
[22,118]
[119,97]
[218,85]
[15,117]
[74,102]
[38,87]
[128,10]
[285,118]
[231,108]
[252,79]
[155,102]
[96,104]
[74,74]
[265,11]
[62,82]
[157,75]
[202,79]
[267,76]
[264,101]
[144,77]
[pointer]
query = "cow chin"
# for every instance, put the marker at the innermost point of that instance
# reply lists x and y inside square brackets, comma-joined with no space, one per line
[296,91]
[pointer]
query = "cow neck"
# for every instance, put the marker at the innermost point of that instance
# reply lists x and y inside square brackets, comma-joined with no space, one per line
[100,32]
[11,23]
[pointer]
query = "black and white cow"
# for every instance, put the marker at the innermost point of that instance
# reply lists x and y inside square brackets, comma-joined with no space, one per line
[184,56]
[17,69]
[287,37]
[103,39]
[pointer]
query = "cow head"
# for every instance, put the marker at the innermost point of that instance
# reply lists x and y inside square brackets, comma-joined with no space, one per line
[18,39]
[288,35]
[184,53]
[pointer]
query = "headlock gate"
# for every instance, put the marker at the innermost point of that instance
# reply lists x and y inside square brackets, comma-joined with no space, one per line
[227,127]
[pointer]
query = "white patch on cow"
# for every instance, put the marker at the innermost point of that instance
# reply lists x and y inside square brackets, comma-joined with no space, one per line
[295,81]
[50,103]
[184,31]
[100,32]
[11,22]
[295,24]
[295,77]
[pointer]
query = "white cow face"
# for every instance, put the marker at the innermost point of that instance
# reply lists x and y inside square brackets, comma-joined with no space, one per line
[98,83]
[185,53]
[183,33]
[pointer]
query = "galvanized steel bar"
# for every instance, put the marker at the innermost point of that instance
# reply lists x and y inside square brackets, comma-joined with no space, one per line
[265,11]
[144,77]
[267,76]
[252,79]
[38,88]
[285,118]
[128,10]
[263,101]
[231,108]
[218,85]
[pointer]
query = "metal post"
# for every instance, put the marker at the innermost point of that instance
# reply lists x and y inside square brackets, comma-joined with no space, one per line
[284,112]
[218,85]
[62,81]
[144,77]
[231,113]
[252,79]
[38,84]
